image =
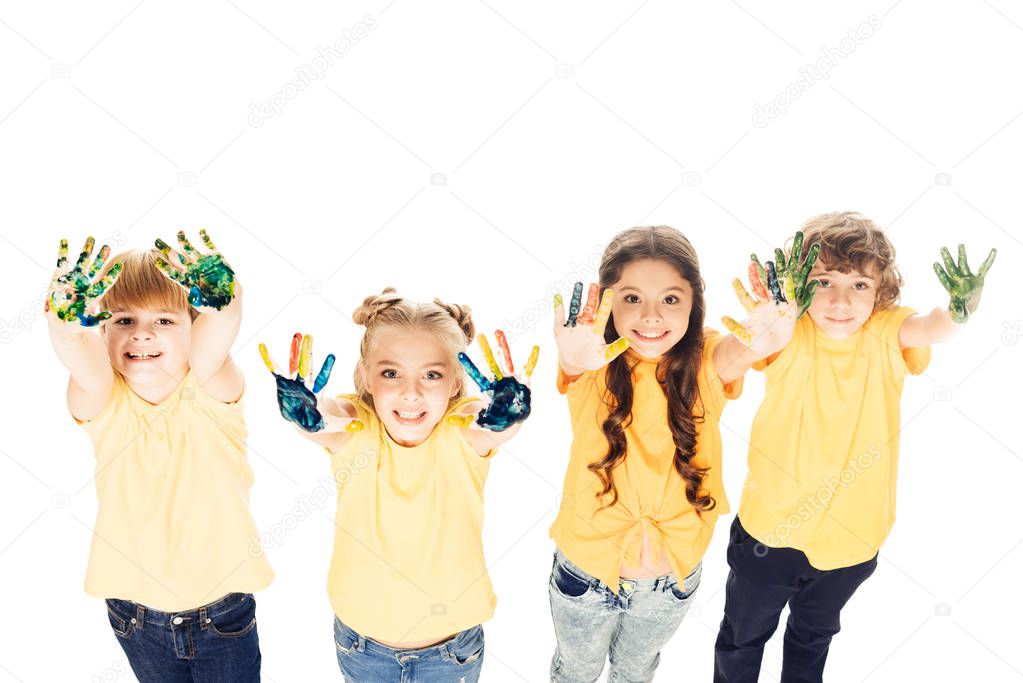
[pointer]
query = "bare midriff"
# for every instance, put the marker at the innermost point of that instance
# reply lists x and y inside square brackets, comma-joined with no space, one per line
[649,566]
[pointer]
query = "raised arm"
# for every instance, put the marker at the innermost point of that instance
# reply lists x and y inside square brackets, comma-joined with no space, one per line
[964,289]
[781,295]
[72,319]
[216,293]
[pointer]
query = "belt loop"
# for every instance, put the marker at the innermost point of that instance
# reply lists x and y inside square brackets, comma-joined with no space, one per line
[140,615]
[203,619]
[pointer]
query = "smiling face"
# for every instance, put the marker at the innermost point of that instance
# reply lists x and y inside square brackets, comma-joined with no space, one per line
[149,347]
[651,307]
[411,376]
[843,301]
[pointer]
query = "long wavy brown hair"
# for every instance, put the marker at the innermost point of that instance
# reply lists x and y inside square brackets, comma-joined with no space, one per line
[676,371]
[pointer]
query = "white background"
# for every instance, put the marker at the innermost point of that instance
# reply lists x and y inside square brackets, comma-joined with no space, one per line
[485,152]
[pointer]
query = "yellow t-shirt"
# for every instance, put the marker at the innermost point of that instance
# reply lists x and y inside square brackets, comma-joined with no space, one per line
[824,447]
[408,547]
[173,530]
[651,494]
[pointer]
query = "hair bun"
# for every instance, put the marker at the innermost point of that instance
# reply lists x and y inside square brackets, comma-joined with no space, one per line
[463,316]
[374,304]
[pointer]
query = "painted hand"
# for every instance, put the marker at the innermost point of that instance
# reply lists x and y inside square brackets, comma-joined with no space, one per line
[580,338]
[509,398]
[75,290]
[770,324]
[207,277]
[295,397]
[963,286]
[786,277]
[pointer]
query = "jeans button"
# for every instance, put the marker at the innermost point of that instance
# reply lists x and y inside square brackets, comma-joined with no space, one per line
[177,621]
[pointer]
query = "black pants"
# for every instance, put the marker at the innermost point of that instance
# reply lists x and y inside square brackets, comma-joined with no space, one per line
[761,581]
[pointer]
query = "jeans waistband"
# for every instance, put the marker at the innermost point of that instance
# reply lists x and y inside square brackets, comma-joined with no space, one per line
[657,583]
[199,614]
[364,644]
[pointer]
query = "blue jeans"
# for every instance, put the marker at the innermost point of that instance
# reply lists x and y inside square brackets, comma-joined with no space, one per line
[456,660]
[592,624]
[215,643]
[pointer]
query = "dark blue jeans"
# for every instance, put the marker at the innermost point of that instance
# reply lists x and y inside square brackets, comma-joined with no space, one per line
[760,582]
[456,660]
[215,643]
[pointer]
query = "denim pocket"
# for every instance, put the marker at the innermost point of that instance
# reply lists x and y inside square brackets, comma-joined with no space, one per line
[236,622]
[567,583]
[688,585]
[122,624]
[345,639]
[467,646]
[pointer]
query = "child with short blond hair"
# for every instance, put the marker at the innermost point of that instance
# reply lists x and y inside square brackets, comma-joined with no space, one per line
[153,385]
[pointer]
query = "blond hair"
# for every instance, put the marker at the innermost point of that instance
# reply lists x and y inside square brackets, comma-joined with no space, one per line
[850,241]
[142,285]
[450,323]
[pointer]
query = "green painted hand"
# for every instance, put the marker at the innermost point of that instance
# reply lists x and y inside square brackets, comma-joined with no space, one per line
[207,277]
[791,272]
[963,286]
[75,290]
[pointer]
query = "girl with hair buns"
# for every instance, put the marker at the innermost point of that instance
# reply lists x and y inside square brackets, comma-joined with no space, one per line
[410,454]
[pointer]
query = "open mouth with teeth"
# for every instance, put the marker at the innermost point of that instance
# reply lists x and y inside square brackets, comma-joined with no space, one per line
[149,355]
[409,418]
[650,336]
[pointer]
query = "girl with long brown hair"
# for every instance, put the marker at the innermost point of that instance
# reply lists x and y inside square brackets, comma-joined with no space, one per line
[646,386]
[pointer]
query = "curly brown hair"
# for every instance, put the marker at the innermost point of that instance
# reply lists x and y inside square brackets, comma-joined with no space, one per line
[849,241]
[677,369]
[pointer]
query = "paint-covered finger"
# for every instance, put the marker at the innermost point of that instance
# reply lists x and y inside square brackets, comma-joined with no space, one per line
[205,237]
[772,283]
[97,289]
[744,297]
[62,255]
[779,260]
[170,271]
[740,331]
[186,247]
[788,287]
[984,267]
[604,311]
[559,311]
[305,356]
[943,277]
[506,354]
[324,375]
[796,252]
[296,348]
[474,373]
[590,309]
[461,420]
[756,283]
[575,304]
[267,360]
[811,258]
[950,266]
[83,257]
[531,363]
[616,348]
[963,266]
[101,258]
[488,356]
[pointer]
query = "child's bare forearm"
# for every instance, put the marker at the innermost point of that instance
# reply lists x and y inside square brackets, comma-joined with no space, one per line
[82,352]
[213,334]
[924,330]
